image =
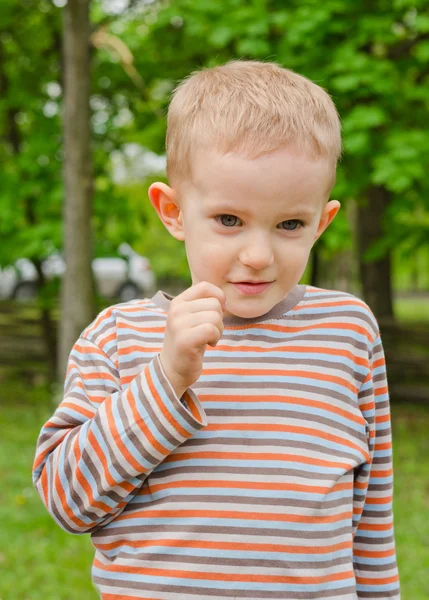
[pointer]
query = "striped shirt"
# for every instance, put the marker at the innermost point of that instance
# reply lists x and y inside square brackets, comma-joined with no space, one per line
[271,478]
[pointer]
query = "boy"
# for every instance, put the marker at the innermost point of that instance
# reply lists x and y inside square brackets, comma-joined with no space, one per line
[233,441]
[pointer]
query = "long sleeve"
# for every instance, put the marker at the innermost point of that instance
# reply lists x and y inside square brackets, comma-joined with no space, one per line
[102,442]
[374,554]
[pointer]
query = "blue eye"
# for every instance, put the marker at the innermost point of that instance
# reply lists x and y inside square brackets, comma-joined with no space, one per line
[295,224]
[230,221]
[226,220]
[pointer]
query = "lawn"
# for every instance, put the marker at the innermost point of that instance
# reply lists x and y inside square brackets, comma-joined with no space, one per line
[412,310]
[39,561]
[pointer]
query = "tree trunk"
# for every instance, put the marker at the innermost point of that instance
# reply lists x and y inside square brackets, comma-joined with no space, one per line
[77,293]
[375,275]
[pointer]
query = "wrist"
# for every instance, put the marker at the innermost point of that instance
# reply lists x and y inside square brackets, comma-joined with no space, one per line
[178,387]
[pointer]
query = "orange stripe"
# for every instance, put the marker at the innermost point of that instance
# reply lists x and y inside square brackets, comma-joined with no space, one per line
[125,485]
[296,350]
[44,483]
[384,446]
[147,433]
[84,349]
[89,414]
[62,497]
[225,546]
[235,514]
[380,391]
[139,328]
[374,553]
[167,415]
[122,597]
[377,581]
[120,444]
[251,456]
[385,473]
[292,400]
[84,483]
[382,418]
[285,329]
[192,407]
[378,500]
[249,485]
[221,576]
[321,304]
[97,375]
[375,526]
[105,340]
[283,372]
[379,363]
[287,429]
[138,348]
[102,316]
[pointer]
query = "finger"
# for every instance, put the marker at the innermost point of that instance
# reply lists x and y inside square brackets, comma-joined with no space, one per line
[206,333]
[204,304]
[203,289]
[184,325]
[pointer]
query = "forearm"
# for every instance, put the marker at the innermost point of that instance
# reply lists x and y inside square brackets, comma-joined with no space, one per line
[88,474]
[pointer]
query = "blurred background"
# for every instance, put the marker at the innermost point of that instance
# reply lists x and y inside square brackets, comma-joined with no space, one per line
[84,87]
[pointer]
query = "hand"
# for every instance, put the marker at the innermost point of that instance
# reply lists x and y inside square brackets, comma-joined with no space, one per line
[195,319]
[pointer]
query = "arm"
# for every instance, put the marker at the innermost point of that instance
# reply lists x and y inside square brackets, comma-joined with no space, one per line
[101,443]
[374,555]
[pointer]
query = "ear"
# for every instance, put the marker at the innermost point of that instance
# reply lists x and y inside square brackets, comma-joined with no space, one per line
[327,216]
[163,199]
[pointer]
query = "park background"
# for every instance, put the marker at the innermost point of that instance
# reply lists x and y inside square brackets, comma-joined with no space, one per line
[372,57]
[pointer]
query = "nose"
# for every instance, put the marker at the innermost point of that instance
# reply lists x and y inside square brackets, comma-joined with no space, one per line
[257,253]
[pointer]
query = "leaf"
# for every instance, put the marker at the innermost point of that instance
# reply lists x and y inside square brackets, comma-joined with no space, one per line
[221,36]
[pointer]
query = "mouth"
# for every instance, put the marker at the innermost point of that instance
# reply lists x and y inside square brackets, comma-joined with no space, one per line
[251,287]
[256,281]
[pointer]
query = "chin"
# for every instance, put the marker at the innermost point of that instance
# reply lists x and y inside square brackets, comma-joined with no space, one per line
[248,313]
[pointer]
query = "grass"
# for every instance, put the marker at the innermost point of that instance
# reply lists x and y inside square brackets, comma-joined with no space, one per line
[39,561]
[412,310]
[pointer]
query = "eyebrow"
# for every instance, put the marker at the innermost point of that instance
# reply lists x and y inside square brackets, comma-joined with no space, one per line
[298,212]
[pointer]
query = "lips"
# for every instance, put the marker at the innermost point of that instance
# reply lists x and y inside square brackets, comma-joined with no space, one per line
[247,287]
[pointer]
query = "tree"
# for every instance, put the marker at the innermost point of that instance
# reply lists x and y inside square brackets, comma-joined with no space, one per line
[78,294]
[372,58]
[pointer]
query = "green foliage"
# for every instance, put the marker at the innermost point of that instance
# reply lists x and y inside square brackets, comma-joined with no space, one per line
[167,255]
[372,58]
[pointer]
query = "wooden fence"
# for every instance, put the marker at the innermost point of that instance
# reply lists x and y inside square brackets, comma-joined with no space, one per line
[23,355]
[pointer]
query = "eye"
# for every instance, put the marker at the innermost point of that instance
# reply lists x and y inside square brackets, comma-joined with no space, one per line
[226,220]
[292,224]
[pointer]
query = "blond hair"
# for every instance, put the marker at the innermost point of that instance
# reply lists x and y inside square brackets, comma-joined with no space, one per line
[252,108]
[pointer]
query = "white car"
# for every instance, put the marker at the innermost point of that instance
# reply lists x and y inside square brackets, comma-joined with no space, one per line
[120,278]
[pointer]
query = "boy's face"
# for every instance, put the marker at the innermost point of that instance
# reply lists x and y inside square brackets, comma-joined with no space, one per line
[248,220]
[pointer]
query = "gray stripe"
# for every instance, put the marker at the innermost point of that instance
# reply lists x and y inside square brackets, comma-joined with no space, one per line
[186,592]
[281,443]
[388,540]
[238,562]
[157,476]
[382,595]
[250,500]
[105,366]
[229,531]
[289,414]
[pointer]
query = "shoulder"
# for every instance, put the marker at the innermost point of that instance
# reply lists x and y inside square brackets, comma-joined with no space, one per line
[104,327]
[338,305]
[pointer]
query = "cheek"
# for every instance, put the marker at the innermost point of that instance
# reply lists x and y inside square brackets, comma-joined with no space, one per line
[296,252]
